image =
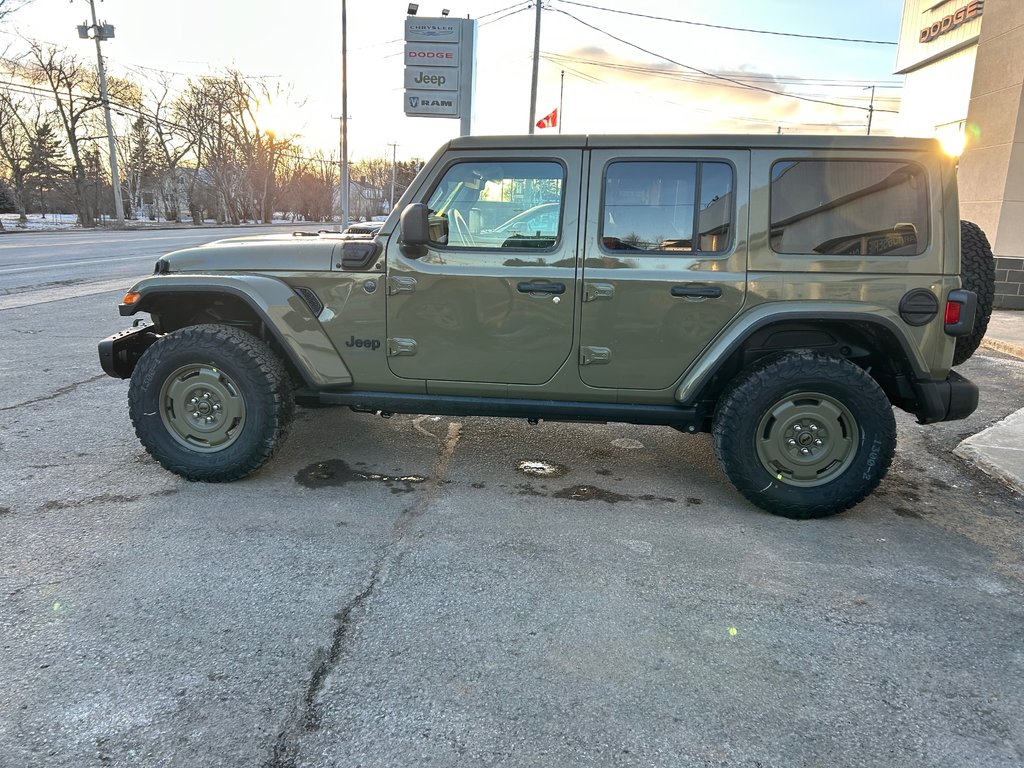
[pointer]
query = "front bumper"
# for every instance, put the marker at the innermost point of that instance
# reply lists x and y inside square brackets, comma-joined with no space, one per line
[119,353]
[949,400]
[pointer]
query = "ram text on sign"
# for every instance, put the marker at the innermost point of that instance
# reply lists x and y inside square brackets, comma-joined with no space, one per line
[428,103]
[431,55]
[431,79]
[432,31]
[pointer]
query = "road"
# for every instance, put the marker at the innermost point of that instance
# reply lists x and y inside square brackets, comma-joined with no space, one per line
[399,592]
[36,260]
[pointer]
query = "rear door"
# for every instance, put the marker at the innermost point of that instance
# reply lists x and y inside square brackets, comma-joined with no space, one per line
[492,298]
[665,256]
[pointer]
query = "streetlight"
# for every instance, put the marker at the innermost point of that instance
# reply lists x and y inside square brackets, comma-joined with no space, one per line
[101,32]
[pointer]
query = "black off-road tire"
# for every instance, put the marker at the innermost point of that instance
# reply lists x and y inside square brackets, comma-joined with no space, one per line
[978,274]
[826,405]
[194,376]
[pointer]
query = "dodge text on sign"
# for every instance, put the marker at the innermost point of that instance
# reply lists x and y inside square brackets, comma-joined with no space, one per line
[431,55]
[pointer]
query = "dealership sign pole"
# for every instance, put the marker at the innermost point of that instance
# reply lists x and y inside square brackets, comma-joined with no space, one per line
[440,69]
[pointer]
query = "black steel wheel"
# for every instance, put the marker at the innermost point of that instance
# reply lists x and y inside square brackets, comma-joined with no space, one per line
[805,435]
[211,402]
[978,274]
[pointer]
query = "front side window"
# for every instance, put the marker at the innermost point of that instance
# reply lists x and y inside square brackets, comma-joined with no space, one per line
[667,207]
[849,208]
[484,205]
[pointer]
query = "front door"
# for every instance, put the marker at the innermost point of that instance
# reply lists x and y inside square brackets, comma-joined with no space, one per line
[492,298]
[665,256]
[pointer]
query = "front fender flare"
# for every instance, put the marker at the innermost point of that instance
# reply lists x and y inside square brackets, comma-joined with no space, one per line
[286,316]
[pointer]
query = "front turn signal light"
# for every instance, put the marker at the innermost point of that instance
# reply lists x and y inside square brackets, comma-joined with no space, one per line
[131,297]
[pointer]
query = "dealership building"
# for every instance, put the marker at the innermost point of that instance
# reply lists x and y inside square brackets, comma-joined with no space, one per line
[963,61]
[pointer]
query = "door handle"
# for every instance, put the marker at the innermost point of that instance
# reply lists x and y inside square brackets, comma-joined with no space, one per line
[697,291]
[555,288]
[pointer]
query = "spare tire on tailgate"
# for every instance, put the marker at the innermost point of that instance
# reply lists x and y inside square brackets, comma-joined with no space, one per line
[978,274]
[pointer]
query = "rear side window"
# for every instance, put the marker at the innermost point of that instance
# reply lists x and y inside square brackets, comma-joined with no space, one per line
[849,208]
[484,205]
[667,207]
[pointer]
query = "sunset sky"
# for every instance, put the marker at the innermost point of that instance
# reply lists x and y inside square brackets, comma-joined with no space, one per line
[624,85]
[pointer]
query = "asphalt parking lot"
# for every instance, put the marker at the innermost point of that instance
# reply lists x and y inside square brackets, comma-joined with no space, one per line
[435,591]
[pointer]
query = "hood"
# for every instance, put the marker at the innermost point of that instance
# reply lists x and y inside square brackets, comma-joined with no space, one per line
[260,253]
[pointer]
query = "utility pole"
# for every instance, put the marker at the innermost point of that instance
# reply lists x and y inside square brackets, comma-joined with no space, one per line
[871,108]
[343,169]
[394,169]
[536,64]
[101,32]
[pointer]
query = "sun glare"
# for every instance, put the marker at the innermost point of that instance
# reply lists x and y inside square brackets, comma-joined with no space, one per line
[276,117]
[952,138]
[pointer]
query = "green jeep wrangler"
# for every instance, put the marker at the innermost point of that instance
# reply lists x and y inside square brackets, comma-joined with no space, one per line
[780,292]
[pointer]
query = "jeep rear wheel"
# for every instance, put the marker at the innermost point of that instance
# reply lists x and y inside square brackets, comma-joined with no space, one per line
[211,402]
[805,435]
[978,274]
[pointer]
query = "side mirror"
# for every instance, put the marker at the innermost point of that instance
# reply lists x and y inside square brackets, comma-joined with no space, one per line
[415,230]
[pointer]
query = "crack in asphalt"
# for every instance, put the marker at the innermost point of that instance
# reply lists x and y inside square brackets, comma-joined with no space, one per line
[54,395]
[306,715]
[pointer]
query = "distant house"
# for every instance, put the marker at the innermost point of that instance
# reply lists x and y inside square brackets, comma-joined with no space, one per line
[364,202]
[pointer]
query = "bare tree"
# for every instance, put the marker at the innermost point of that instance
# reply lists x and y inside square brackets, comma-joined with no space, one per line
[7,7]
[307,185]
[16,131]
[74,88]
[173,142]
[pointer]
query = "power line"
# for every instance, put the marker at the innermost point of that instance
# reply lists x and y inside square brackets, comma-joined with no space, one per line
[745,76]
[731,29]
[689,107]
[711,74]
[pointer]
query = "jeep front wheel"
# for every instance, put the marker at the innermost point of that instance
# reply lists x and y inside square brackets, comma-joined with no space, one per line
[805,435]
[211,402]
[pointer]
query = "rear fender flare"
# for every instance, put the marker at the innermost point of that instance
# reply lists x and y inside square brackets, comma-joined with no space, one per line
[698,375]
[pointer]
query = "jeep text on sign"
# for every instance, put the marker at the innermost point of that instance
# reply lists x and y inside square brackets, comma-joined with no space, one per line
[431,103]
[431,55]
[431,79]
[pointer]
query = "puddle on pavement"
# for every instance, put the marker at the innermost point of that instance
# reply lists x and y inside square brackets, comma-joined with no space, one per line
[5,510]
[542,469]
[335,472]
[590,493]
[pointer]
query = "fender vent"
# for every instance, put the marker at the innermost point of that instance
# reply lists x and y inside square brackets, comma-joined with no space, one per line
[919,307]
[309,296]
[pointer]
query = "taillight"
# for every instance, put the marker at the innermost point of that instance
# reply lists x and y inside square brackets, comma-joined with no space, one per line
[953,312]
[961,306]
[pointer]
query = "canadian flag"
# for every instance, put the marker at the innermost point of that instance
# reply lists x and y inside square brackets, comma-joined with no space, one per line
[550,121]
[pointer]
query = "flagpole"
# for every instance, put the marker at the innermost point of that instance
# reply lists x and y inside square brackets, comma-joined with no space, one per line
[561,93]
[536,64]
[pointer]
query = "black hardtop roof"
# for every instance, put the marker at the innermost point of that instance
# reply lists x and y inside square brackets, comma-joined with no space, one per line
[694,141]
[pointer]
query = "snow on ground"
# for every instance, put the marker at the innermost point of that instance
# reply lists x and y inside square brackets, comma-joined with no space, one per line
[39,221]
[58,221]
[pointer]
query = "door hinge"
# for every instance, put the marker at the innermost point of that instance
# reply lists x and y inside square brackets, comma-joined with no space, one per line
[595,355]
[595,291]
[401,284]
[400,347]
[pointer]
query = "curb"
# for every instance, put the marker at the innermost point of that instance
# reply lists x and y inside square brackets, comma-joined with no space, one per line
[1006,347]
[996,451]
